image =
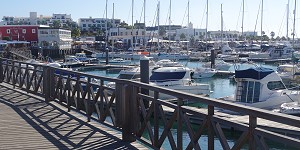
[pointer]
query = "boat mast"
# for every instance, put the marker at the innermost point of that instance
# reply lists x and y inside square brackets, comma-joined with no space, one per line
[206,24]
[144,24]
[294,24]
[170,24]
[188,27]
[106,34]
[261,24]
[158,5]
[221,24]
[287,19]
[132,3]
[113,19]
[243,13]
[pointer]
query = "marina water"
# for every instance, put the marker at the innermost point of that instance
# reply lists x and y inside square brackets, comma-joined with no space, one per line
[220,87]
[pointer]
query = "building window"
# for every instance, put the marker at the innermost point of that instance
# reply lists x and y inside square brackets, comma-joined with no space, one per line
[24,31]
[83,25]
[33,30]
[8,31]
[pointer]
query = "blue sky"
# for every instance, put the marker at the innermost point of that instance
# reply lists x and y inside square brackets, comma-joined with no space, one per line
[274,12]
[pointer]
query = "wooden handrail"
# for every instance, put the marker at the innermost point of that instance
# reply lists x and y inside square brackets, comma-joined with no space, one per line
[125,106]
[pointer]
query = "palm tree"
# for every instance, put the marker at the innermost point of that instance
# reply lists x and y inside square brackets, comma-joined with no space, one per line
[272,34]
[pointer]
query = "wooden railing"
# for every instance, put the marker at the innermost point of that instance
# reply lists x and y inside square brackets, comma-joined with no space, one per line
[127,108]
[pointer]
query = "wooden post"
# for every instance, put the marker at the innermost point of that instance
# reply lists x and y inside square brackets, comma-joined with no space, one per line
[128,119]
[252,126]
[179,124]
[46,83]
[156,120]
[13,78]
[210,128]
[119,104]
[51,82]
[1,70]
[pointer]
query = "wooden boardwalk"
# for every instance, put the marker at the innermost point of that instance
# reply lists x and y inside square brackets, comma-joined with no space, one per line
[27,122]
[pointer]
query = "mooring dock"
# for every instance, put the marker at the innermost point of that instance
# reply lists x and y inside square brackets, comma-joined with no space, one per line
[28,122]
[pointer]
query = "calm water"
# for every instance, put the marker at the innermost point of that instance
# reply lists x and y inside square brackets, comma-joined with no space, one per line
[223,85]
[220,87]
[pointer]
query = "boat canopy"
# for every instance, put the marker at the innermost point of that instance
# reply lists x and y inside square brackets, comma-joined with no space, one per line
[253,73]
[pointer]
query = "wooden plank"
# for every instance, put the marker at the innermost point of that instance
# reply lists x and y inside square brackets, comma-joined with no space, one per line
[29,127]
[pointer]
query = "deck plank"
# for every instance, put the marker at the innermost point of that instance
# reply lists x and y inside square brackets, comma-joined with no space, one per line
[27,122]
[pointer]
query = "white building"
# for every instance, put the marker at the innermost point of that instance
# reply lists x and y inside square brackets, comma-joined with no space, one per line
[86,24]
[34,19]
[55,38]
[62,18]
[127,35]
[190,32]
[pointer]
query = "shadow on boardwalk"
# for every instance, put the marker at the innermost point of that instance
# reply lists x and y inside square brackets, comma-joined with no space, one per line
[31,123]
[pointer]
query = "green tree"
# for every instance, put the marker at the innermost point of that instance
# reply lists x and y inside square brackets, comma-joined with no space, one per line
[201,37]
[162,31]
[265,38]
[75,32]
[277,38]
[56,24]
[182,36]
[283,38]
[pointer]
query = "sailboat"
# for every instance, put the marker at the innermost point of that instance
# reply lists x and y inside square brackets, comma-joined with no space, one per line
[204,72]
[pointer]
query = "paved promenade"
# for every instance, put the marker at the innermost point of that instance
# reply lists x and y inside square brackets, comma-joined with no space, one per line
[27,122]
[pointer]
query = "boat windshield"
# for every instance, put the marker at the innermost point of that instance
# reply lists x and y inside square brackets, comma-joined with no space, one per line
[276,85]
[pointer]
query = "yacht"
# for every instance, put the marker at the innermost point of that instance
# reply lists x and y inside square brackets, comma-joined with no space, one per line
[168,63]
[177,78]
[201,72]
[262,88]
[280,51]
[71,61]
[219,65]
[288,71]
[82,57]
[118,61]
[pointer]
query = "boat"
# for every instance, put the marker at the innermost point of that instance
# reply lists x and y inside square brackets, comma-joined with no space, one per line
[219,65]
[201,72]
[279,51]
[177,78]
[82,57]
[292,108]
[288,71]
[173,56]
[71,61]
[168,63]
[118,61]
[262,88]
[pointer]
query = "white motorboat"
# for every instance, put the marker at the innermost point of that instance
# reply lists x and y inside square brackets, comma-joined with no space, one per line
[261,88]
[292,108]
[201,72]
[118,61]
[219,65]
[177,78]
[287,71]
[168,63]
[173,56]
[82,57]
[72,61]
